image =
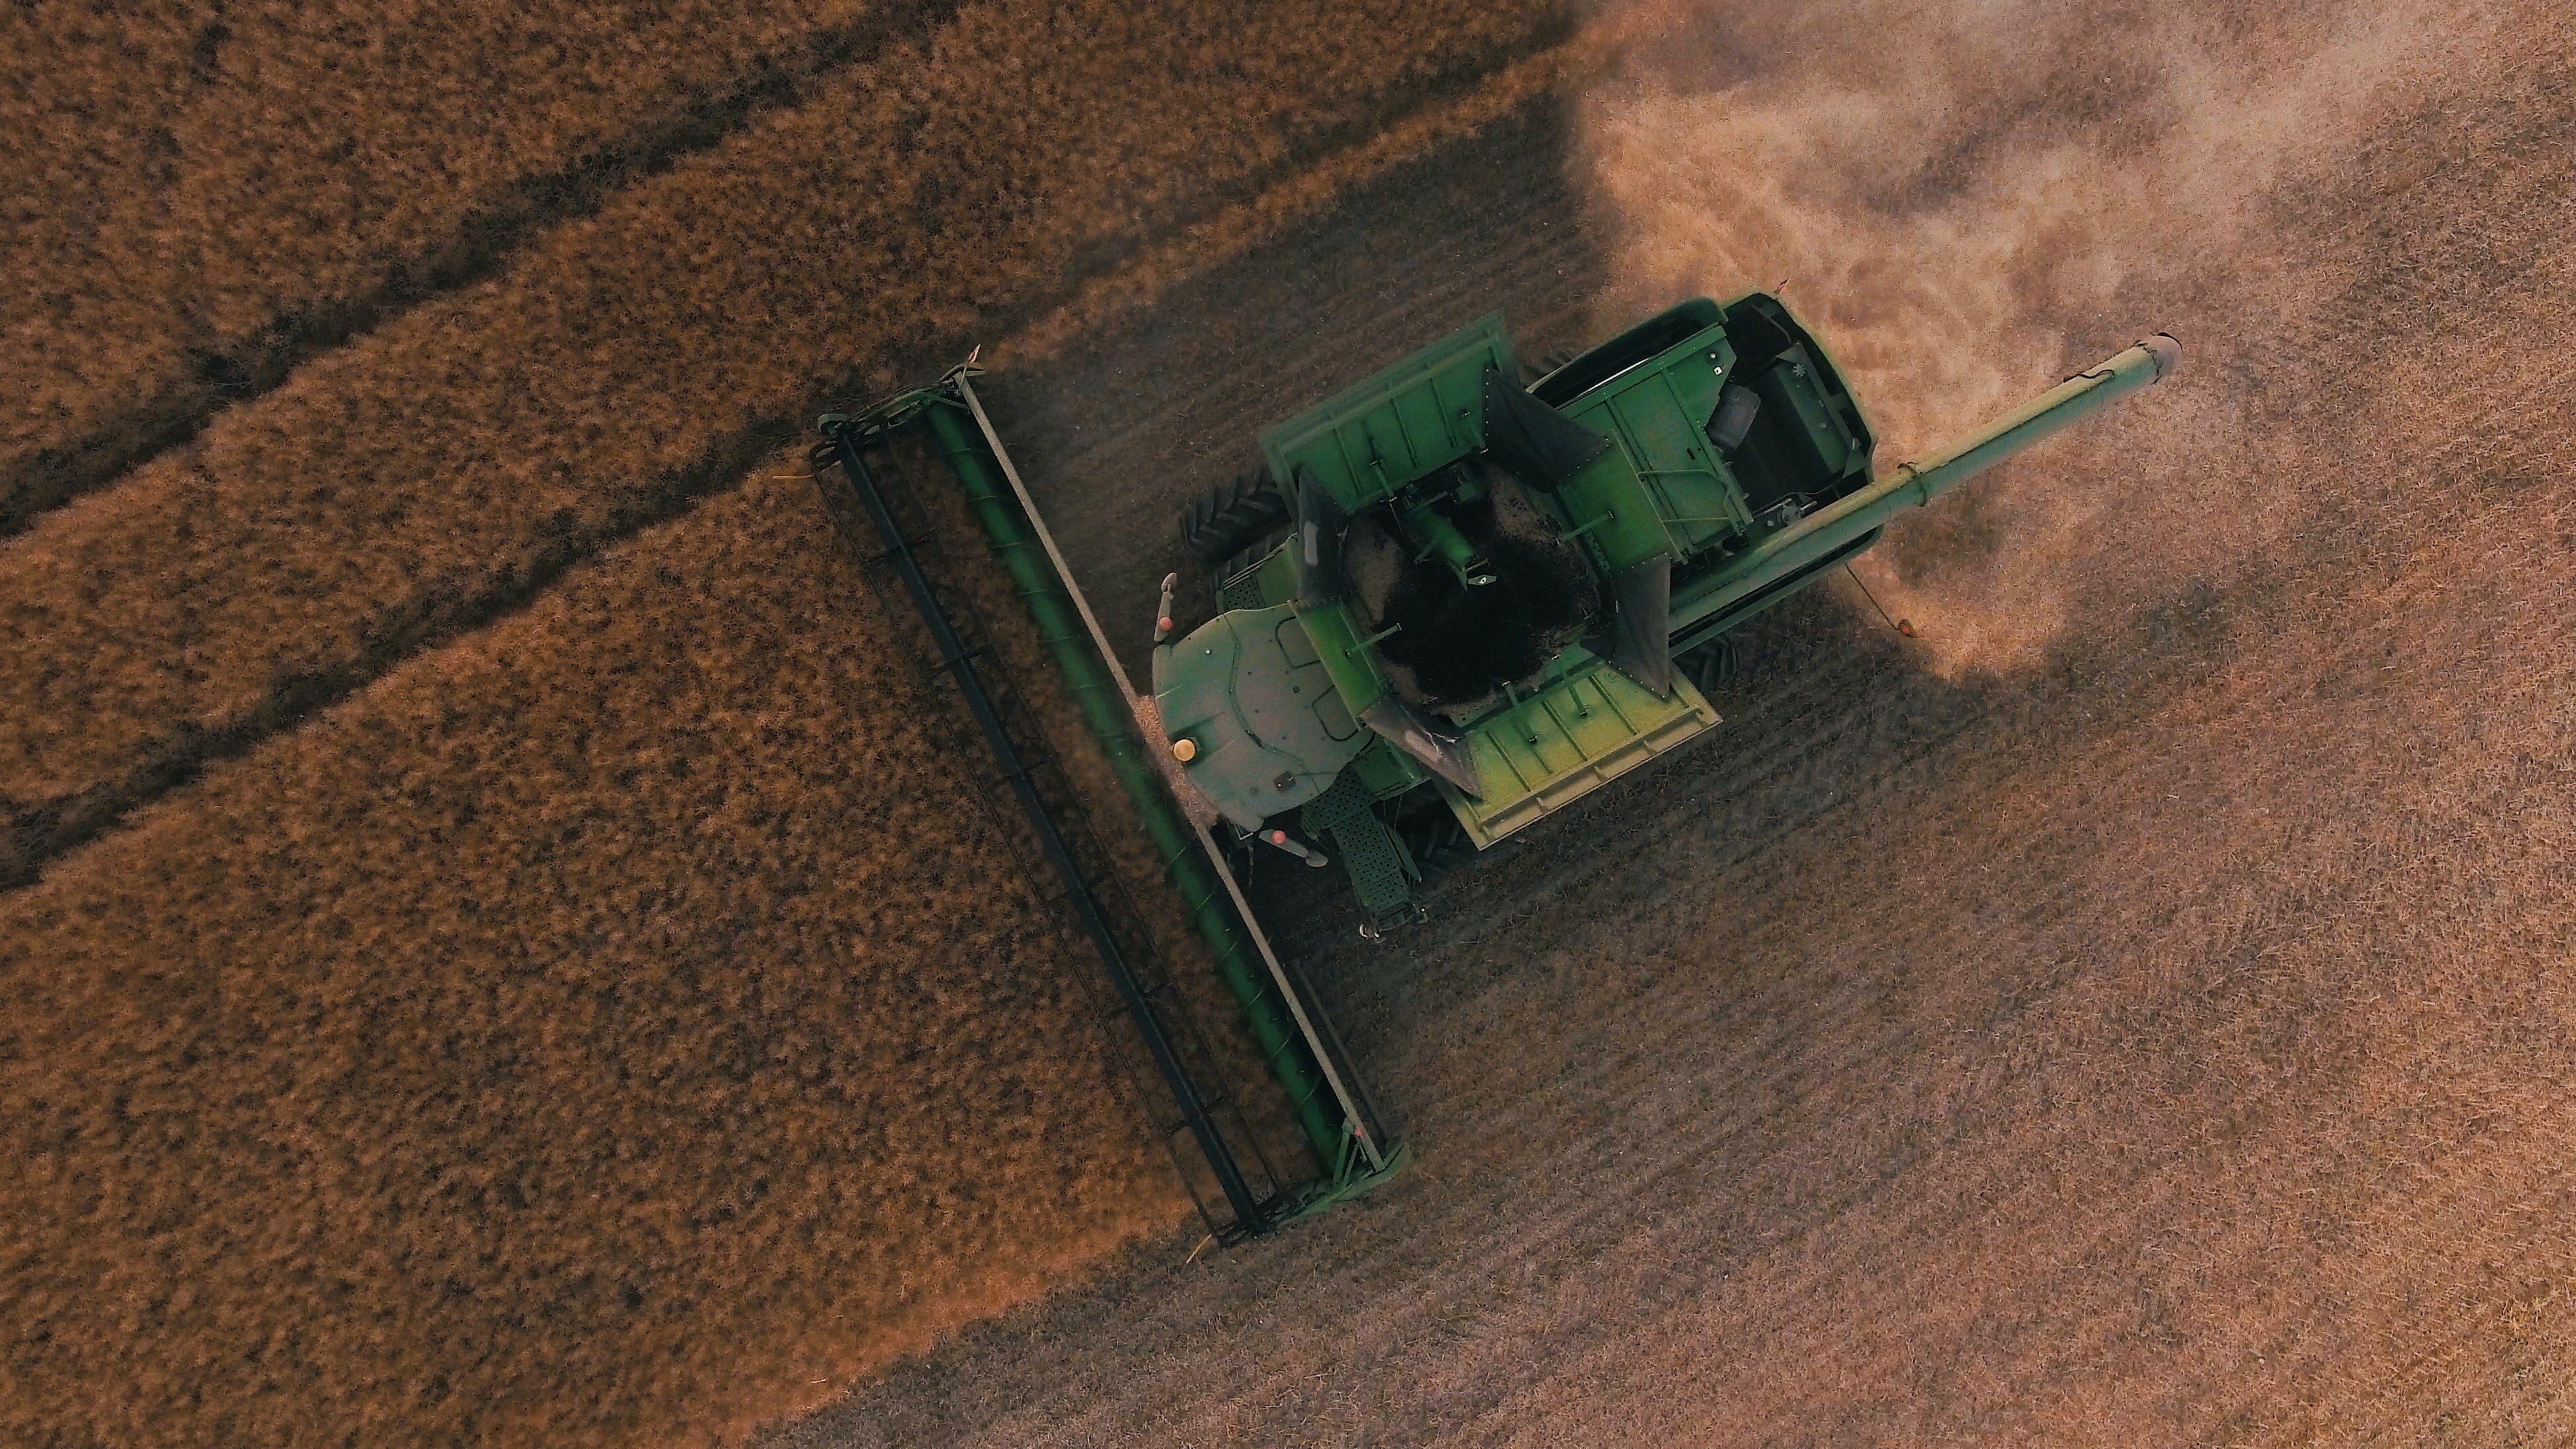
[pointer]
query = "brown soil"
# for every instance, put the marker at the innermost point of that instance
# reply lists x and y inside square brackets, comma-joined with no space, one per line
[585,998]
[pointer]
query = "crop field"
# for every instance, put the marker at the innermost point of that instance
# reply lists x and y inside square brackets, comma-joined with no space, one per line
[502,943]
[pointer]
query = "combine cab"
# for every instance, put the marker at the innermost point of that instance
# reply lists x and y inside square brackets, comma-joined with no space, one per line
[1450,604]
[1453,604]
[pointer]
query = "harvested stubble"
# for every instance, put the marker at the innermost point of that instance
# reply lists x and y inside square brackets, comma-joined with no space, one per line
[2178,1050]
[444,467]
[606,1027]
[2222,1099]
[205,197]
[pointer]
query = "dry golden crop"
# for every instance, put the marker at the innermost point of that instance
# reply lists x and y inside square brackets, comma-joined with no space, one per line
[621,1023]
[620,1019]
[205,196]
[443,467]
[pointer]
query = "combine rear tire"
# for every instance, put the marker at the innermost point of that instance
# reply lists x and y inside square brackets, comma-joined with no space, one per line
[1232,517]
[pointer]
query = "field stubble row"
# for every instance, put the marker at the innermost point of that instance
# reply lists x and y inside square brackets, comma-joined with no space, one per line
[443,468]
[2181,1052]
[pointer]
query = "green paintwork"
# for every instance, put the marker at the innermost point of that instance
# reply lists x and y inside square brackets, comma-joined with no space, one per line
[1268,728]
[1387,772]
[1852,522]
[1660,489]
[1347,658]
[1370,439]
[1345,821]
[1741,529]
[1574,734]
[1185,868]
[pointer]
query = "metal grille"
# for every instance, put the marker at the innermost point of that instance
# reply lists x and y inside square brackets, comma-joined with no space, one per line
[1381,872]
[1242,592]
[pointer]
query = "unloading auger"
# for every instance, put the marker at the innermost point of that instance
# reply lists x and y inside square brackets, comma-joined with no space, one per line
[1451,604]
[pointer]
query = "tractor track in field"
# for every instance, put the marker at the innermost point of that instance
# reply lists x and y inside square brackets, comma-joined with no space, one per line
[44,829]
[494,229]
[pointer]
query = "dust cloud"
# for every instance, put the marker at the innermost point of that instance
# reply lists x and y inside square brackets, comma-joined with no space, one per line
[1968,202]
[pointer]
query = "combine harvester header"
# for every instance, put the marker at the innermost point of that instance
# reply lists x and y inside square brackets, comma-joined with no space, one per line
[1458,597]
[1280,1011]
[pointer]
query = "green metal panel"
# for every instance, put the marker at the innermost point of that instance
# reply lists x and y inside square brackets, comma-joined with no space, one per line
[1912,485]
[1832,418]
[1251,693]
[1243,591]
[1607,506]
[1707,598]
[1346,654]
[1340,646]
[1660,414]
[1542,752]
[1777,588]
[1382,872]
[1270,580]
[1387,771]
[1788,387]
[1368,440]
[1697,506]
[1662,490]
[1639,346]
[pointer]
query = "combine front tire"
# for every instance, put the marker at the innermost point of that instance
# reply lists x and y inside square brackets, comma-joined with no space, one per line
[1721,663]
[1232,517]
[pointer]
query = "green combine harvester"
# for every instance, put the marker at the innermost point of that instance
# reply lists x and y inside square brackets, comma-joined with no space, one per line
[1456,598]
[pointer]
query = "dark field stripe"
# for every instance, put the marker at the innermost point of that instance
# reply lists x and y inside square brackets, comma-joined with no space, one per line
[172,414]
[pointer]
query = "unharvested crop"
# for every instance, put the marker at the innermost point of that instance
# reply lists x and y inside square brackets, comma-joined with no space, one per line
[204,197]
[621,1024]
[441,468]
